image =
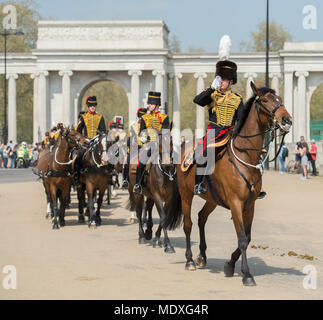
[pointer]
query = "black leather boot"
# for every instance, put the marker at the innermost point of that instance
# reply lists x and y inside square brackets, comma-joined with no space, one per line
[125,174]
[139,176]
[199,187]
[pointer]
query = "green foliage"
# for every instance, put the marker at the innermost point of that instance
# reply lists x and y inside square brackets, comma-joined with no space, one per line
[278,35]
[174,44]
[27,20]
[112,101]
[317,104]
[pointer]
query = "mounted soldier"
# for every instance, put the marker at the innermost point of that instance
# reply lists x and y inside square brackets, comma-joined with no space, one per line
[150,123]
[225,108]
[90,124]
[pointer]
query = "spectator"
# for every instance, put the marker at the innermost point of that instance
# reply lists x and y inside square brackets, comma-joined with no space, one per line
[304,160]
[298,148]
[282,157]
[13,157]
[1,154]
[6,152]
[313,153]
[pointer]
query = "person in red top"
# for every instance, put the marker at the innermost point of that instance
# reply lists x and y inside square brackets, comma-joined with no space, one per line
[313,152]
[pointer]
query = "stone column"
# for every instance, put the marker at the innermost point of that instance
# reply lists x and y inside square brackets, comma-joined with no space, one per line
[275,81]
[176,107]
[250,77]
[159,87]
[12,108]
[200,112]
[66,108]
[135,94]
[36,128]
[302,119]
[42,103]
[288,101]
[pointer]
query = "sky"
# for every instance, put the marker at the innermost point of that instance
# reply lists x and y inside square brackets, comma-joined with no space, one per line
[196,23]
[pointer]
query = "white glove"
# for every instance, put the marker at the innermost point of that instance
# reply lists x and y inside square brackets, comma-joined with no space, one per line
[143,139]
[216,84]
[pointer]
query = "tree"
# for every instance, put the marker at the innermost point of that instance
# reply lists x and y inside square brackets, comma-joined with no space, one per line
[278,35]
[27,21]
[174,44]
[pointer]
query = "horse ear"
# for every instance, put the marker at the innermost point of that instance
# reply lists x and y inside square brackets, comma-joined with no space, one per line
[254,88]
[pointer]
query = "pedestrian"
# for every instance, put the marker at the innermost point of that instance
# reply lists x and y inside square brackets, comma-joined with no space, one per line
[6,152]
[282,157]
[313,153]
[1,154]
[304,160]
[13,157]
[298,157]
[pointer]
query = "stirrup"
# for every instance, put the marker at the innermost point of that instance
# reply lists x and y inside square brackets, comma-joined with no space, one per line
[137,189]
[199,189]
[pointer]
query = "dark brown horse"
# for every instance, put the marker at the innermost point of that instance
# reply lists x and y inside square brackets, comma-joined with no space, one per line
[236,178]
[95,176]
[55,169]
[160,188]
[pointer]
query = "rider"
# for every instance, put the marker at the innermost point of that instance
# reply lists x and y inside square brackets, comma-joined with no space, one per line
[90,124]
[23,152]
[225,108]
[132,142]
[152,121]
[46,140]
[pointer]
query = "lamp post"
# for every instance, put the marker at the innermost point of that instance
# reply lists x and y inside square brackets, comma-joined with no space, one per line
[5,34]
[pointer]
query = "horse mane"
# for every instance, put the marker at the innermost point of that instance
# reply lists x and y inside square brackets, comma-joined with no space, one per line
[247,108]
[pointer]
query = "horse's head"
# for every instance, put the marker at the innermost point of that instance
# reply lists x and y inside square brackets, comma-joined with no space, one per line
[271,108]
[73,138]
[165,145]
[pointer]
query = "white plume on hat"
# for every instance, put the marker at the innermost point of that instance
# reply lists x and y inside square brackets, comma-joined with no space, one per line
[224,48]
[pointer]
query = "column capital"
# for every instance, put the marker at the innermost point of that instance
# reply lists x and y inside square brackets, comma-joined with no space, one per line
[202,75]
[12,76]
[275,74]
[135,73]
[250,75]
[34,75]
[65,73]
[177,75]
[158,72]
[301,73]
[43,73]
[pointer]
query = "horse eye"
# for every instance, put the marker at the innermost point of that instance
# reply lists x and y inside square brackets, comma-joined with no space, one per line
[265,100]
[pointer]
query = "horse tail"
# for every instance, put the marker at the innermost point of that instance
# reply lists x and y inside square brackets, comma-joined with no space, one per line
[174,214]
[130,204]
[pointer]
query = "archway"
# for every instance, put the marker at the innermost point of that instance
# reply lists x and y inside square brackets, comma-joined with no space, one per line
[112,100]
[316,114]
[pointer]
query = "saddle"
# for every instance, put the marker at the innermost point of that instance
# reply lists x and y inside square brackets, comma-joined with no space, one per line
[190,158]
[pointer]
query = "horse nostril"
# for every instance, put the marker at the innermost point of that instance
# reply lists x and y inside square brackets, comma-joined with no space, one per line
[287,121]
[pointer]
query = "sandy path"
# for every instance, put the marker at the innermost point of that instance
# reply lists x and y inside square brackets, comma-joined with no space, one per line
[108,263]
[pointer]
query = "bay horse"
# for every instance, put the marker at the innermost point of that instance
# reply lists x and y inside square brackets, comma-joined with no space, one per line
[160,189]
[236,179]
[95,176]
[54,168]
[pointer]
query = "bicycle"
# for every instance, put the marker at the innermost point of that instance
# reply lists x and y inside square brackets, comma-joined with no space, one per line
[292,168]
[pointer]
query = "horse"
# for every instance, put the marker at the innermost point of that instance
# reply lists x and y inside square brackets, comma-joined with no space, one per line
[54,167]
[160,189]
[95,175]
[236,180]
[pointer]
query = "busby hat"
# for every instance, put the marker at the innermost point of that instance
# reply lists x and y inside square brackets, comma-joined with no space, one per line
[91,101]
[141,112]
[154,98]
[227,70]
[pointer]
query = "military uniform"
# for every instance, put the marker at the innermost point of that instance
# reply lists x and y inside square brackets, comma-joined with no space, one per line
[150,124]
[225,109]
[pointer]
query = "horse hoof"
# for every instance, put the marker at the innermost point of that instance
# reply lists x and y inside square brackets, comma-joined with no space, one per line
[228,270]
[98,222]
[48,216]
[148,235]
[249,282]
[169,249]
[55,227]
[190,266]
[157,243]
[62,224]
[92,225]
[142,241]
[200,261]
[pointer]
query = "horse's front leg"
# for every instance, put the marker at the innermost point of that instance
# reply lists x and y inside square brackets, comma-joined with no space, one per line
[54,207]
[81,203]
[149,222]
[203,216]
[49,208]
[161,210]
[242,223]
[186,208]
[139,205]
[99,204]
[90,205]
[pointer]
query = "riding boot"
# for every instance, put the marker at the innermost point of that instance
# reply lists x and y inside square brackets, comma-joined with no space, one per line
[125,173]
[199,183]
[139,177]
[78,167]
